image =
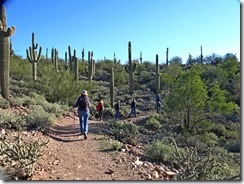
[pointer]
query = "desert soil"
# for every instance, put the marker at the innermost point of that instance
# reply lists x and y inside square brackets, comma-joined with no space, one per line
[69,156]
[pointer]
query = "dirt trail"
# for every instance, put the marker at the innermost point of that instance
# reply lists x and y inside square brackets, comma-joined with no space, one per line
[70,157]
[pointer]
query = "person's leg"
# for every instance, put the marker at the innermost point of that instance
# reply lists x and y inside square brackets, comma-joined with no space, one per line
[117,114]
[131,111]
[81,121]
[101,116]
[86,116]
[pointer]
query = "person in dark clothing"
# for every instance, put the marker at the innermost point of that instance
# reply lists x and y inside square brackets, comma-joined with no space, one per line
[117,110]
[158,103]
[83,104]
[133,108]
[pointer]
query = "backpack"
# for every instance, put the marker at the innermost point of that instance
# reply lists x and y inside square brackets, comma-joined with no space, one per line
[83,104]
[116,106]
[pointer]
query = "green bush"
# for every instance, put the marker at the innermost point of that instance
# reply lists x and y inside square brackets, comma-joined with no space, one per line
[152,124]
[4,103]
[208,138]
[125,132]
[18,156]
[159,151]
[39,119]
[12,120]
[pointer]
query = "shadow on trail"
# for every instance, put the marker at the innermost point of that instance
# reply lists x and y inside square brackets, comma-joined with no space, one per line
[65,140]
[71,132]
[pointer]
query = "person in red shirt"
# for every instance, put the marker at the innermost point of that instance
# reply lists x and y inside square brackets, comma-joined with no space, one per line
[100,109]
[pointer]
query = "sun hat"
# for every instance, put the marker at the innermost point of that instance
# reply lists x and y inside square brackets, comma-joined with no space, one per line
[84,92]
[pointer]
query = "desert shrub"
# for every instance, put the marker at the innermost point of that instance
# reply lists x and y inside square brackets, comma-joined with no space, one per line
[145,77]
[208,166]
[116,145]
[125,132]
[194,142]
[12,120]
[152,124]
[57,109]
[39,119]
[4,103]
[159,151]
[59,87]
[208,138]
[18,156]
[232,134]
[21,70]
[218,129]
[120,79]
[232,146]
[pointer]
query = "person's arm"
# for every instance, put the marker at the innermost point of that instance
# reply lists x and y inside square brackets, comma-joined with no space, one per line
[76,103]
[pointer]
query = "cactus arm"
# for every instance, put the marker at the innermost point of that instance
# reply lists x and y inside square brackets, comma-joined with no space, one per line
[28,55]
[34,46]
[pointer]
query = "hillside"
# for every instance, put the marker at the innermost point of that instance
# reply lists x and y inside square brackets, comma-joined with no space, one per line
[195,135]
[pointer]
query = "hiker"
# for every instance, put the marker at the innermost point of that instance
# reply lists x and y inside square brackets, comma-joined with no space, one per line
[100,109]
[133,108]
[158,103]
[117,110]
[83,104]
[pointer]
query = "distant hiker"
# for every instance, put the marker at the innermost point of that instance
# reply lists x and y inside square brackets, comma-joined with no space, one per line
[100,109]
[158,103]
[83,104]
[117,110]
[133,108]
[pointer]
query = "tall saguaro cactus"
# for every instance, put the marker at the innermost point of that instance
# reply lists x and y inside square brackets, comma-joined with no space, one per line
[167,56]
[90,70]
[5,33]
[201,55]
[112,87]
[130,68]
[83,55]
[140,58]
[157,76]
[73,63]
[55,58]
[71,59]
[32,55]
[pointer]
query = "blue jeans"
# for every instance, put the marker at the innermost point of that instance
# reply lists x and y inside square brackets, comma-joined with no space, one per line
[133,111]
[83,116]
[117,114]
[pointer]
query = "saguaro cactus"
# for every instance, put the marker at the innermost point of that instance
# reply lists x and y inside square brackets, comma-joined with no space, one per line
[112,87]
[66,64]
[5,33]
[47,54]
[55,58]
[115,60]
[90,70]
[73,63]
[158,75]
[76,69]
[71,59]
[140,58]
[201,55]
[32,55]
[83,55]
[130,68]
[167,56]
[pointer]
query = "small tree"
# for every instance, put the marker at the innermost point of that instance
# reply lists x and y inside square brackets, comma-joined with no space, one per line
[188,97]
